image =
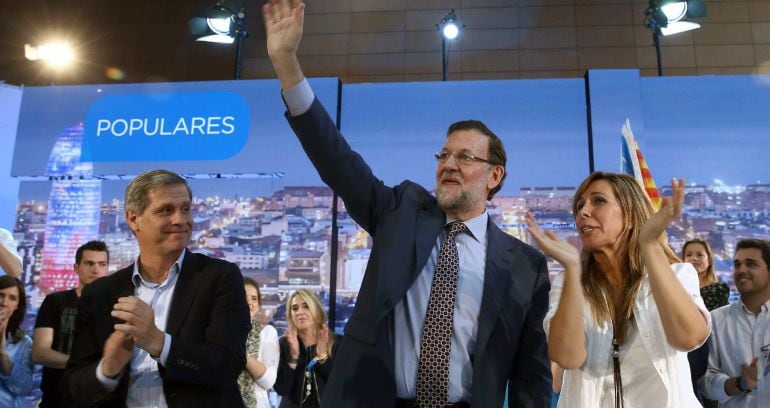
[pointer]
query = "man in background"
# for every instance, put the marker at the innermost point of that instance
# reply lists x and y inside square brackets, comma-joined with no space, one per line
[739,365]
[55,322]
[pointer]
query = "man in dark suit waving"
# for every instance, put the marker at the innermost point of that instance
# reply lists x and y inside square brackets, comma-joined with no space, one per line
[169,330]
[451,308]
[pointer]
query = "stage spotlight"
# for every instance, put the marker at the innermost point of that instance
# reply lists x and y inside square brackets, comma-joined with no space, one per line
[667,17]
[450,27]
[223,23]
[57,55]
[450,31]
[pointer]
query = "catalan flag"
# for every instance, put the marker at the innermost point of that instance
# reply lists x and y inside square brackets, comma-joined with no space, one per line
[632,162]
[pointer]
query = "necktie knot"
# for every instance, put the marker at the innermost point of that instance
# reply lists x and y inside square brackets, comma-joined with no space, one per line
[455,228]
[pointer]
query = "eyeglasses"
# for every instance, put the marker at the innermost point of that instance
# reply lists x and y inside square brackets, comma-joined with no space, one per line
[461,158]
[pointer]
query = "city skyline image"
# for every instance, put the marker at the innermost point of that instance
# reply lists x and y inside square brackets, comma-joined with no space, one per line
[268,211]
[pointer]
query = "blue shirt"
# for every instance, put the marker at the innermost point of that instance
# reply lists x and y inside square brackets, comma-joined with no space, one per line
[409,314]
[146,386]
[19,382]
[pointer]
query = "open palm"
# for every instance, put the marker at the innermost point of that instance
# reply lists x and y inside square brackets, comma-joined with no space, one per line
[283,25]
[562,251]
[670,209]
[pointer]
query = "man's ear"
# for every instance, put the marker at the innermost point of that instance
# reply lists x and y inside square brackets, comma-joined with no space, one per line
[131,220]
[495,177]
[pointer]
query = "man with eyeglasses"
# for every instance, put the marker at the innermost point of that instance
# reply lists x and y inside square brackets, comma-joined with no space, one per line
[450,309]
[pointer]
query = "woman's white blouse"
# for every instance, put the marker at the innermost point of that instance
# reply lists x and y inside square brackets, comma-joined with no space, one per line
[583,386]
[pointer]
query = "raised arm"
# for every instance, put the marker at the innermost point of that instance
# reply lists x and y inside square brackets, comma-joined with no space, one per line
[564,322]
[686,327]
[283,28]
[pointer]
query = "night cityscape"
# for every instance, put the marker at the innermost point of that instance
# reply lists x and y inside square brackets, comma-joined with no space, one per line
[284,240]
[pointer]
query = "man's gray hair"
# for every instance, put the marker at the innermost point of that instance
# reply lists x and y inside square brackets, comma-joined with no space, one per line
[138,190]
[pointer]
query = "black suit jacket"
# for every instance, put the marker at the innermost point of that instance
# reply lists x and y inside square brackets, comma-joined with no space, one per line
[208,321]
[404,222]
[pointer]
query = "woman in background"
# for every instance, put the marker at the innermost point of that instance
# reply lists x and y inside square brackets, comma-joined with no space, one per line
[15,346]
[623,313]
[715,295]
[307,352]
[262,354]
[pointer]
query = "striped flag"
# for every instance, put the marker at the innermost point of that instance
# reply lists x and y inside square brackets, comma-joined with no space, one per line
[632,162]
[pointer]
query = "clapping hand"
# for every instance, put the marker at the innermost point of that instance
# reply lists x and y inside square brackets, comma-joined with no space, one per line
[139,323]
[322,341]
[291,338]
[562,251]
[749,374]
[670,209]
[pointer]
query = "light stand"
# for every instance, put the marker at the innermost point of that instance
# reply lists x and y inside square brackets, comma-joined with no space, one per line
[450,27]
[224,23]
[240,34]
[653,25]
[666,17]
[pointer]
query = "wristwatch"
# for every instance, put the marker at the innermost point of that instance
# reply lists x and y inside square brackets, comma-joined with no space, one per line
[741,385]
[293,360]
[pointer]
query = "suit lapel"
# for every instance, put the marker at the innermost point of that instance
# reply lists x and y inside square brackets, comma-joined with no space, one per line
[184,293]
[122,285]
[429,224]
[497,277]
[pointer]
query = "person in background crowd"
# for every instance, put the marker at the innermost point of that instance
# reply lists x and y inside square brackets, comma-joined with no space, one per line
[698,253]
[307,352]
[623,313]
[739,350]
[56,320]
[262,354]
[168,330]
[15,346]
[715,294]
[10,261]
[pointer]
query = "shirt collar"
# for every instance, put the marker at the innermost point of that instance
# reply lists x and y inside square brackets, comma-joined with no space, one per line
[477,226]
[764,308]
[137,279]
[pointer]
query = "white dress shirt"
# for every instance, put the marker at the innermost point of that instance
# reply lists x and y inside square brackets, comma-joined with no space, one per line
[584,386]
[737,338]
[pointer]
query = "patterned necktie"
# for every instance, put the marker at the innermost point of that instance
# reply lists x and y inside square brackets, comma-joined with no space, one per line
[436,341]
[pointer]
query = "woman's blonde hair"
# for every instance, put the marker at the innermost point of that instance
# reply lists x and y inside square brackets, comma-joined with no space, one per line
[316,310]
[711,275]
[636,208]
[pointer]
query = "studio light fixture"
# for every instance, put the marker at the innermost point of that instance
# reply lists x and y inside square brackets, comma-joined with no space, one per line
[223,23]
[668,17]
[450,28]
